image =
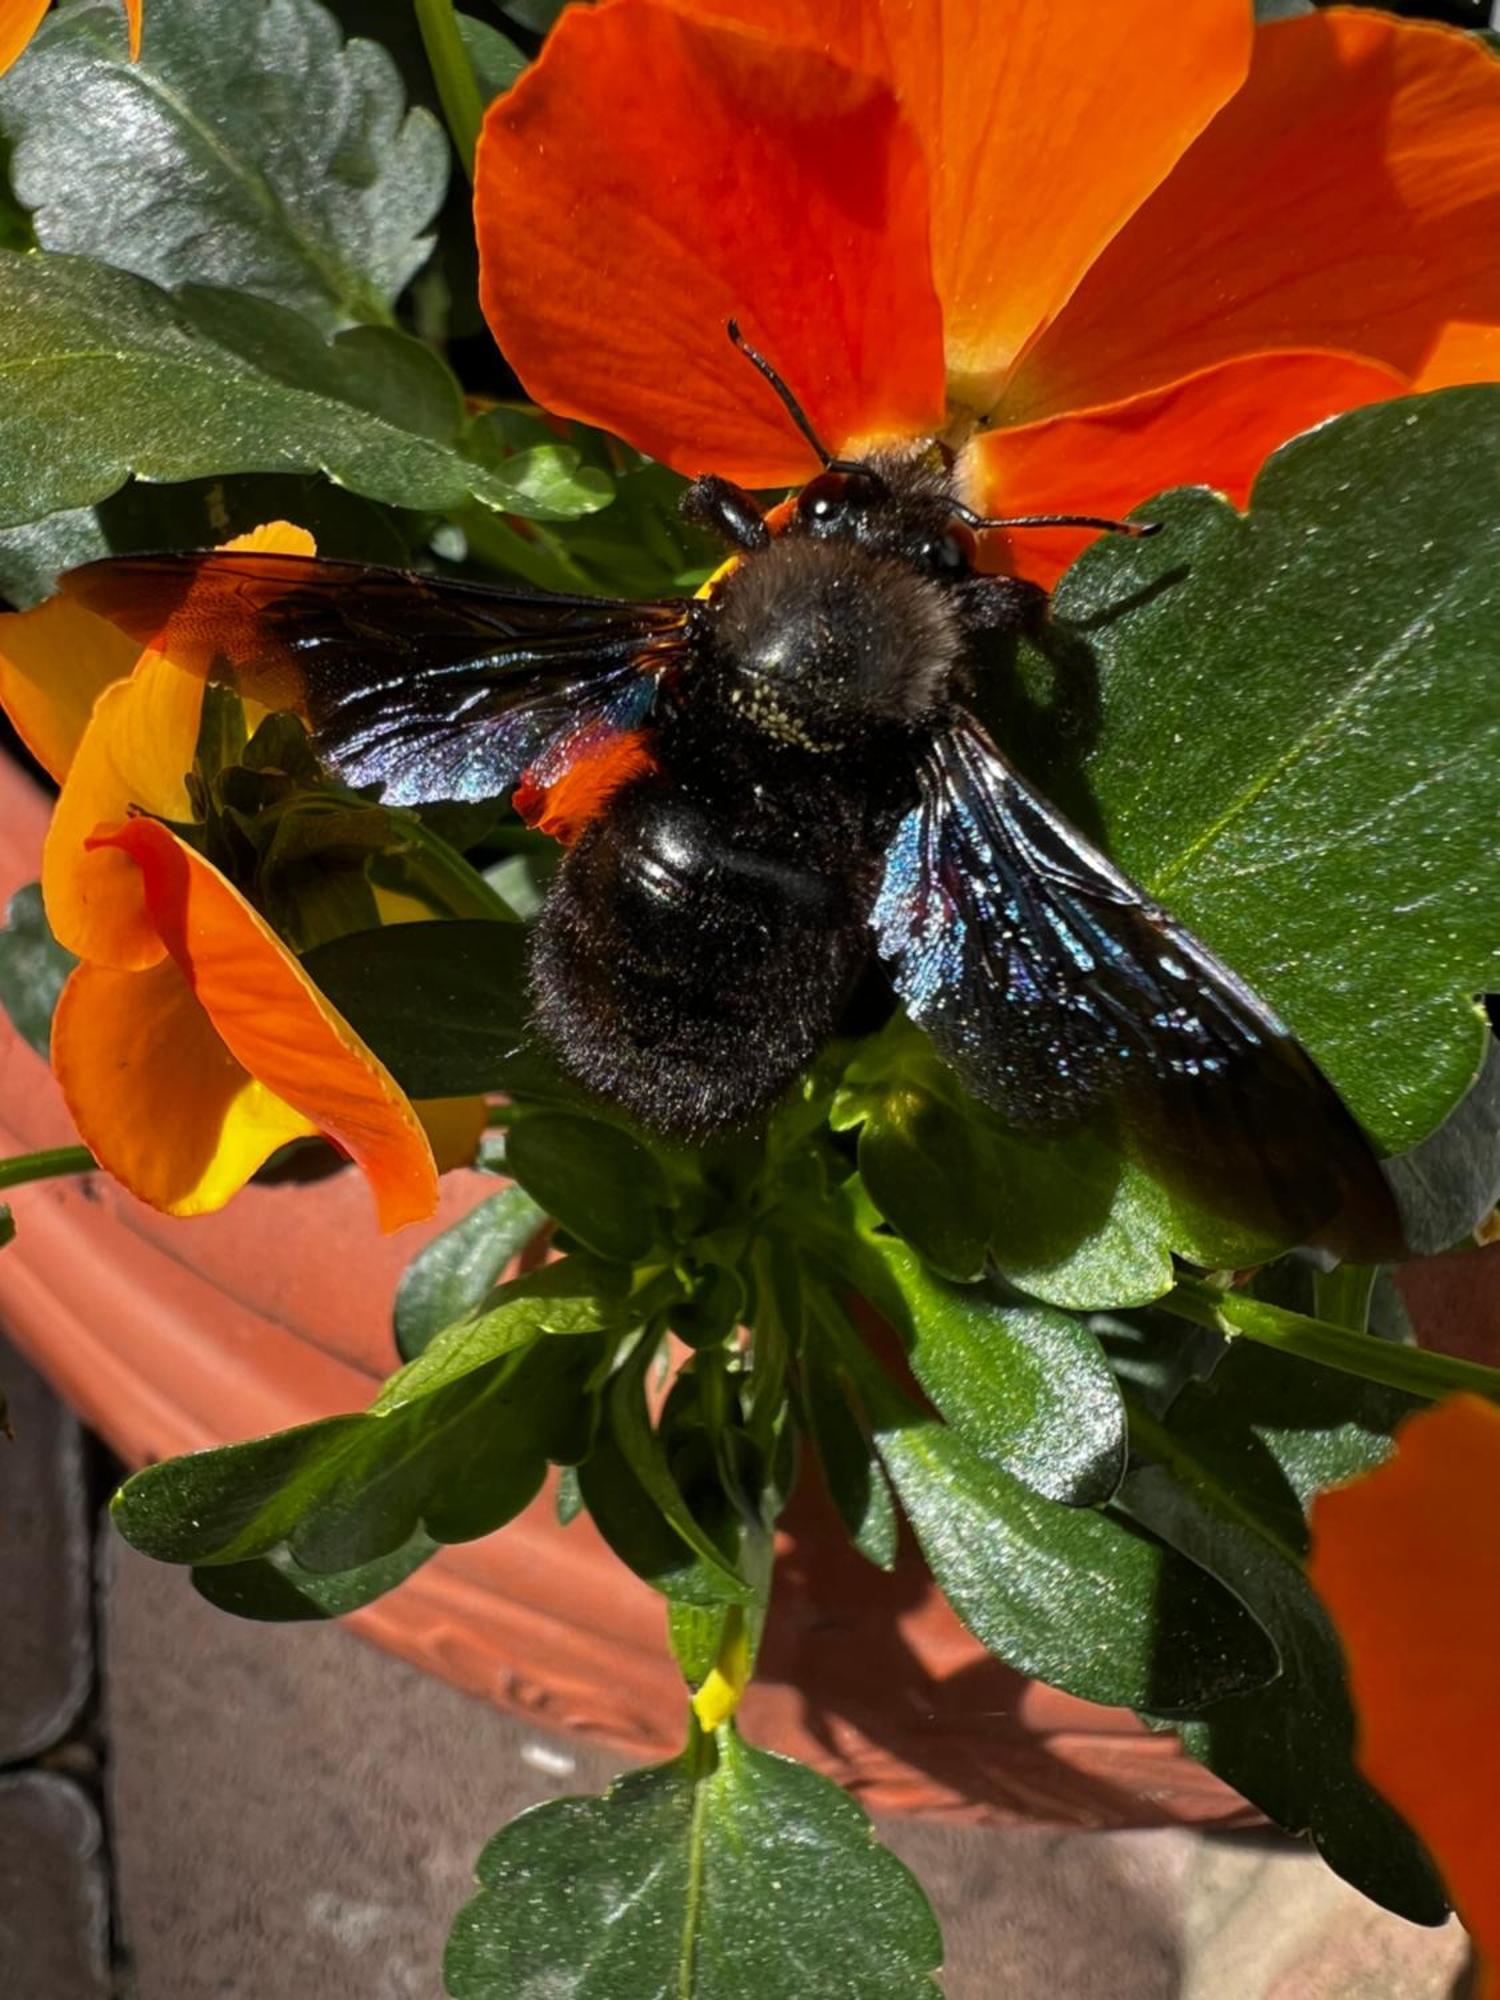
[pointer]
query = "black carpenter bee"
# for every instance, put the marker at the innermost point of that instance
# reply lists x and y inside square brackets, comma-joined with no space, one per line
[767,790]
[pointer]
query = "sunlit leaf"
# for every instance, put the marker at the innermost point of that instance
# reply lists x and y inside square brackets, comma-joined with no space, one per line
[250,146]
[726,1873]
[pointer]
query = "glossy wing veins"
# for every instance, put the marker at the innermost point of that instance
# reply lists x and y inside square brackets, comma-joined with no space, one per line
[434,687]
[1054,986]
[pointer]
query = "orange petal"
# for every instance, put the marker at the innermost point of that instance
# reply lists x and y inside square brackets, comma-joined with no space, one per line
[133,18]
[276,1024]
[55,662]
[156,1096]
[19,21]
[1044,125]
[136,752]
[1215,429]
[1348,198]
[1408,1562]
[653,175]
[1461,353]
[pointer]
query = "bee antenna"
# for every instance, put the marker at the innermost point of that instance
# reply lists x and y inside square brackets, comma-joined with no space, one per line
[1139,530]
[788,401]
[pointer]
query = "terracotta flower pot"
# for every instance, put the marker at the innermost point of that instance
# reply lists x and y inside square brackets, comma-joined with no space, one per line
[168,1335]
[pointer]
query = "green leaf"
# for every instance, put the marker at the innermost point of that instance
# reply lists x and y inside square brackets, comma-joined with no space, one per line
[1026,1385]
[444,1005]
[725,1874]
[195,514]
[347,1491]
[250,147]
[714,1576]
[452,1275]
[33,967]
[852,1470]
[1084,1600]
[1297,742]
[628,1516]
[104,375]
[1238,1459]
[604,1187]
[537,15]
[496,59]
[276,1590]
[1447,1185]
[1066,1219]
[573,1296]
[7,1235]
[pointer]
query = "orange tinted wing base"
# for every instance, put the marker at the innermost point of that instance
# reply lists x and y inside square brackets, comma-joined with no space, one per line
[595,763]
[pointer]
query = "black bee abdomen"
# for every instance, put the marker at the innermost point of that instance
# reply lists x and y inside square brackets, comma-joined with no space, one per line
[695,951]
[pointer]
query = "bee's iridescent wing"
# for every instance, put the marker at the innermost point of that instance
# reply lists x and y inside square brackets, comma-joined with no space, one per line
[1055,987]
[435,688]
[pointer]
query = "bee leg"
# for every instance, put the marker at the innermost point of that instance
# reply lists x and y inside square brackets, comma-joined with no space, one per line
[1004,604]
[726,509]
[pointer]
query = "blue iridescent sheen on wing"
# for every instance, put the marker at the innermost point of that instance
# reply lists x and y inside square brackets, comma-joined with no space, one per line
[1056,989]
[431,687]
[1043,974]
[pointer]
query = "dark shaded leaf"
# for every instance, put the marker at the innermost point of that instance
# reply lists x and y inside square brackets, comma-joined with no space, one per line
[724,1874]
[196,514]
[496,59]
[444,1005]
[604,1187]
[1234,1466]
[33,967]
[1065,1219]
[1447,1185]
[852,1470]
[276,1590]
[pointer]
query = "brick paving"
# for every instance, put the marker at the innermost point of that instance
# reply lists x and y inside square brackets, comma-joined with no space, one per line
[277,1811]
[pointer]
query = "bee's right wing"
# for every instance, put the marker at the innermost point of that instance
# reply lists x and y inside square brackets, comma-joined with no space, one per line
[1056,987]
[435,688]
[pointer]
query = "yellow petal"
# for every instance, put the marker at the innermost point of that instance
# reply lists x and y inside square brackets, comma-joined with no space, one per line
[275,1022]
[55,662]
[156,1096]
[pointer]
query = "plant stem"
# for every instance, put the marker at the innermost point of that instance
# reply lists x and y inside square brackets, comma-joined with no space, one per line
[1343,1294]
[46,1166]
[453,73]
[430,863]
[1413,1369]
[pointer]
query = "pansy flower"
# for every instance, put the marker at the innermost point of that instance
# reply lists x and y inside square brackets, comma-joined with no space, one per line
[1110,248]
[189,1043]
[20,19]
[1407,1561]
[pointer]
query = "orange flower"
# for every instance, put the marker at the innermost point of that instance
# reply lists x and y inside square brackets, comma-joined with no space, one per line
[20,19]
[189,1043]
[1407,1561]
[1113,248]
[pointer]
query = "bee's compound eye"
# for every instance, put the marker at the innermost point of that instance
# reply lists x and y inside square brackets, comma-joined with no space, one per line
[836,501]
[950,554]
[823,500]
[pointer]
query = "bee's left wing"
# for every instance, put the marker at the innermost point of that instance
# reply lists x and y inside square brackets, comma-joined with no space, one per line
[1055,986]
[436,688]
